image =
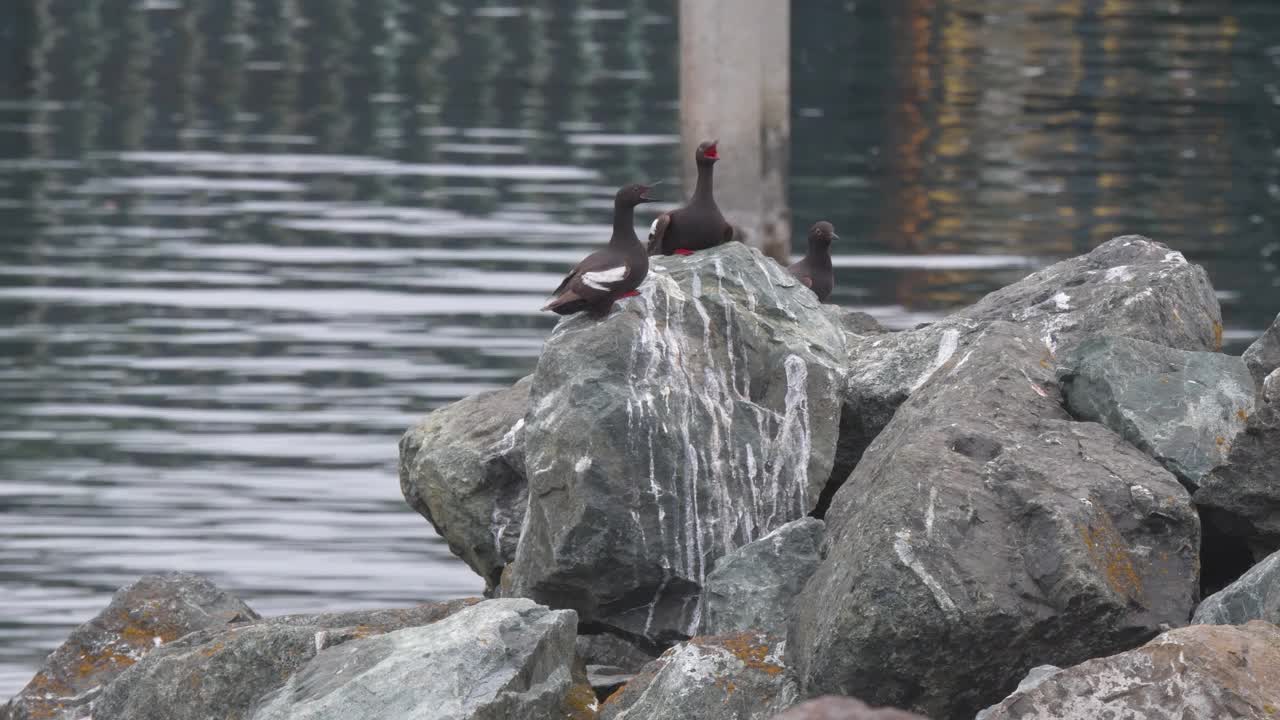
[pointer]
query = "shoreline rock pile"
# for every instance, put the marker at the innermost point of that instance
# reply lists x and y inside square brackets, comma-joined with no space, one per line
[728,500]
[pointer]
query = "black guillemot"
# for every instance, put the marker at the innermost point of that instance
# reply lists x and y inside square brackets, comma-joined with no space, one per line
[815,269]
[615,272]
[699,224]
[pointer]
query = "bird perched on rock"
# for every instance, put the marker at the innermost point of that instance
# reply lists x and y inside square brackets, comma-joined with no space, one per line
[815,269]
[612,273]
[699,224]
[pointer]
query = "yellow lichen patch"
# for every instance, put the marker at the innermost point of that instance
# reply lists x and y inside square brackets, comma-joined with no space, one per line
[1220,441]
[752,649]
[1110,554]
[107,660]
[1242,415]
[143,635]
[1217,335]
[212,649]
[580,703]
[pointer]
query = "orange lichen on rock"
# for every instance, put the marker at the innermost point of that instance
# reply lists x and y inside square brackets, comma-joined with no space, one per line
[580,703]
[1110,554]
[752,649]
[1217,335]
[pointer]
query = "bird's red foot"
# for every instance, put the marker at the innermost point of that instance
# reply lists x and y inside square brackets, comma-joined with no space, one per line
[682,251]
[633,293]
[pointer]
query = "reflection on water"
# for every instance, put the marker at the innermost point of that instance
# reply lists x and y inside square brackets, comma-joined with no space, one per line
[246,243]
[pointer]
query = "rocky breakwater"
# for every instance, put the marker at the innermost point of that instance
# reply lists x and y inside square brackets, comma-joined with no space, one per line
[1005,488]
[725,499]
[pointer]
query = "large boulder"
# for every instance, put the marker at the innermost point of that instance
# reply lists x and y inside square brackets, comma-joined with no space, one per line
[1130,286]
[696,418]
[1183,408]
[141,618]
[755,586]
[729,677]
[1242,497]
[1202,671]
[462,468]
[836,707]
[1263,356]
[495,660]
[985,532]
[1255,596]
[222,673]
[883,372]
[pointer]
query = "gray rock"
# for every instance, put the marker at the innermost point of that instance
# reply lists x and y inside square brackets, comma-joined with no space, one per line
[221,673]
[462,468]
[883,372]
[1202,671]
[1037,675]
[496,660]
[1263,356]
[150,613]
[836,707]
[1255,596]
[208,678]
[1271,388]
[1242,497]
[854,322]
[696,418]
[1183,408]
[609,650]
[729,677]
[755,586]
[1130,286]
[984,517]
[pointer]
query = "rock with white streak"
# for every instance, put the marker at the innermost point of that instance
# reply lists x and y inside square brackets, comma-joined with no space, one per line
[727,677]
[496,660]
[1183,408]
[1130,286]
[1202,671]
[755,586]
[1254,596]
[462,468]
[1034,678]
[986,532]
[696,418]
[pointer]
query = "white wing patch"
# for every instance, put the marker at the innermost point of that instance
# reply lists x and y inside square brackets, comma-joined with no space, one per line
[653,229]
[599,280]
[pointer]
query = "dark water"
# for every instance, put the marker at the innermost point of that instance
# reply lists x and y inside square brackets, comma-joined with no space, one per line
[244,244]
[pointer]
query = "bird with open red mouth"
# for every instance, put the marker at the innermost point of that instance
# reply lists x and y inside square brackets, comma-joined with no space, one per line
[699,224]
[605,276]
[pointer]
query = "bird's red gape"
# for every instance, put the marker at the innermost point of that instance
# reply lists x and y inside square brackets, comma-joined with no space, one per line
[632,293]
[682,251]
